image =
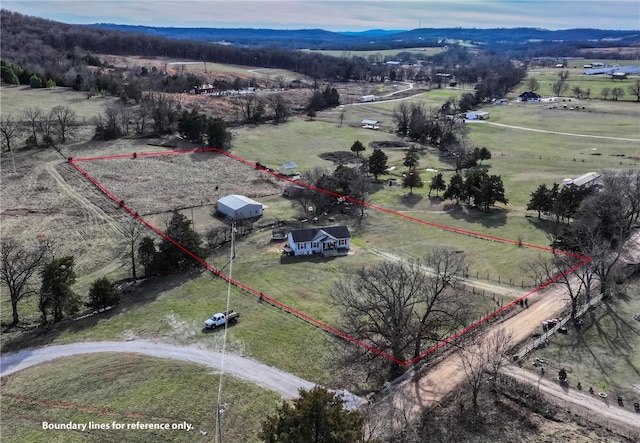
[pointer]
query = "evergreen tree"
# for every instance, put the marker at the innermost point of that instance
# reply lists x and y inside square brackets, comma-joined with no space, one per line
[412,180]
[411,158]
[437,184]
[217,134]
[180,230]
[56,296]
[147,254]
[541,200]
[357,147]
[317,416]
[378,163]
[455,190]
[102,294]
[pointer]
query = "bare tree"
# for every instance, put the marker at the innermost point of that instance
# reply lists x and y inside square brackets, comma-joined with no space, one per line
[46,126]
[532,84]
[280,107]
[10,130]
[64,118]
[32,118]
[251,107]
[482,354]
[402,118]
[395,306]
[132,231]
[559,87]
[442,312]
[17,268]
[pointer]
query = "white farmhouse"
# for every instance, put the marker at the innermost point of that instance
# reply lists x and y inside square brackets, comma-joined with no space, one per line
[239,207]
[330,240]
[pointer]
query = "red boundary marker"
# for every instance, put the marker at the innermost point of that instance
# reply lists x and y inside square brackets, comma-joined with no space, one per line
[302,315]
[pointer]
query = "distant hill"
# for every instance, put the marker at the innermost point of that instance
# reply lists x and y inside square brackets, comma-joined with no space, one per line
[378,39]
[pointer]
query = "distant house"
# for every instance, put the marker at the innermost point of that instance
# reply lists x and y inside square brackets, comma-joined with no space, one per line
[329,240]
[529,97]
[476,115]
[370,124]
[618,75]
[368,98]
[239,207]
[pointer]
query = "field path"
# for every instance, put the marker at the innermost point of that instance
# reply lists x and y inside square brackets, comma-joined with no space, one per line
[94,214]
[245,368]
[572,134]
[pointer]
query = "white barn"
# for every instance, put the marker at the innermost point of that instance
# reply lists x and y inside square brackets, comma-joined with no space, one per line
[239,207]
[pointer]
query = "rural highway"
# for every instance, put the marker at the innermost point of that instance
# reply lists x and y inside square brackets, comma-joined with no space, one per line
[268,377]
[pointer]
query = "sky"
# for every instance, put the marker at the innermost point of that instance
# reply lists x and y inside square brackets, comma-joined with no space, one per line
[341,15]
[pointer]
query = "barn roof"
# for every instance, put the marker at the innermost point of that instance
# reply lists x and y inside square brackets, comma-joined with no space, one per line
[305,235]
[368,121]
[235,201]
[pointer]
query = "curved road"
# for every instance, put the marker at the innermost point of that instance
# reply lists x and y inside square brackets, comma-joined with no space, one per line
[245,368]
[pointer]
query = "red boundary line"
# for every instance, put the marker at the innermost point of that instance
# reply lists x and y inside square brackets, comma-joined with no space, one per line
[318,323]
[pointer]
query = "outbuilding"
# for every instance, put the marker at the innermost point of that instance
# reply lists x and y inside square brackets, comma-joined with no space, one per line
[370,124]
[239,207]
[476,115]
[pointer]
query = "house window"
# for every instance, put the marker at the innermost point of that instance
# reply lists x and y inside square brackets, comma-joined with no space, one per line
[301,245]
[342,242]
[314,245]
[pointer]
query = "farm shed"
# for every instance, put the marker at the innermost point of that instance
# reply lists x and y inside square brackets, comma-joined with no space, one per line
[239,207]
[330,240]
[476,115]
[588,179]
[288,168]
[370,124]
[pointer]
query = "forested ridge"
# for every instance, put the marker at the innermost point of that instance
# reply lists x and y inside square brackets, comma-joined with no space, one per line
[50,48]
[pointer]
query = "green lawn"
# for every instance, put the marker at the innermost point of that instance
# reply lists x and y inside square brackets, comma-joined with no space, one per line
[603,353]
[15,99]
[128,388]
[595,83]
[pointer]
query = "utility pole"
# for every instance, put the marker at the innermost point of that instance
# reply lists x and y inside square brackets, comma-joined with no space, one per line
[219,413]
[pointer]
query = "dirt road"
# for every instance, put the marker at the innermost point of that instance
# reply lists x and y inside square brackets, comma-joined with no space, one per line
[413,395]
[602,408]
[245,368]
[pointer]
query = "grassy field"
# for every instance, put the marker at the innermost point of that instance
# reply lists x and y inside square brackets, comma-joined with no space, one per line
[107,388]
[595,83]
[173,309]
[603,352]
[15,99]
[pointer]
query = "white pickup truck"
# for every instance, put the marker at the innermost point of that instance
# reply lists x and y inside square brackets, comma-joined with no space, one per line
[221,318]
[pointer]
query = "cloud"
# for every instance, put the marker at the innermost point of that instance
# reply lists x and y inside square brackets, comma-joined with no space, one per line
[342,15]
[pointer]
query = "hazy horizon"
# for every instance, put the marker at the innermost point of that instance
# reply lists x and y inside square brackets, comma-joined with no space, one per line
[331,15]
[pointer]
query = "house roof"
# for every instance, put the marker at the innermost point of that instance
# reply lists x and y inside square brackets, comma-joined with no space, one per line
[586,178]
[289,165]
[304,235]
[529,94]
[235,201]
[367,121]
